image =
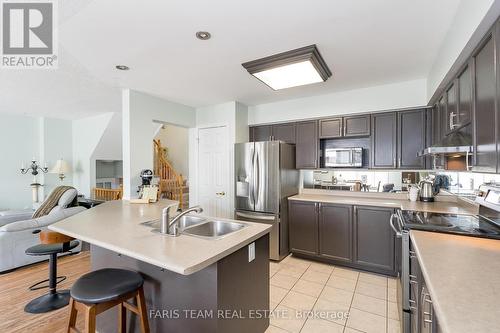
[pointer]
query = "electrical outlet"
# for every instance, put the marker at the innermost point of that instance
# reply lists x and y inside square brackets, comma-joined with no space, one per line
[251,252]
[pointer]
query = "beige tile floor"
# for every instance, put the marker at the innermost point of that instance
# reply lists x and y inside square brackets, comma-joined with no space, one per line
[308,296]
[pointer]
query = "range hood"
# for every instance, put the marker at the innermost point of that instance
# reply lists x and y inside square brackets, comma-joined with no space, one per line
[454,143]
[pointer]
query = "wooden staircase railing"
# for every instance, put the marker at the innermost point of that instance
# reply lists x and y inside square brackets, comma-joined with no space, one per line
[107,194]
[171,183]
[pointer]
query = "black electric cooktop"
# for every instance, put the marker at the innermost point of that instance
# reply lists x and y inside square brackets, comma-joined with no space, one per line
[469,225]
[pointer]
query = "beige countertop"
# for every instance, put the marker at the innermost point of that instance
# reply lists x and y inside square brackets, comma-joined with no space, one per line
[446,204]
[463,277]
[115,225]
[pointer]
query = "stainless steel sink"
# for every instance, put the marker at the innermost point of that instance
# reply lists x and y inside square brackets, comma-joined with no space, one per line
[185,222]
[214,229]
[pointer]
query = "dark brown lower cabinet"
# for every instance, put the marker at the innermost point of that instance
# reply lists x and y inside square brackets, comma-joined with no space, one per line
[303,227]
[375,241]
[355,236]
[335,232]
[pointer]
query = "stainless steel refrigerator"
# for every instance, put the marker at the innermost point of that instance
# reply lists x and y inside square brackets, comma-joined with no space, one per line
[265,177]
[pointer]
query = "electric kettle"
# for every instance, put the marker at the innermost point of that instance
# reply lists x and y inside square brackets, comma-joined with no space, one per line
[426,191]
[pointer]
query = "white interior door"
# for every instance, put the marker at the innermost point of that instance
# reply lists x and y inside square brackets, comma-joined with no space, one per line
[213,171]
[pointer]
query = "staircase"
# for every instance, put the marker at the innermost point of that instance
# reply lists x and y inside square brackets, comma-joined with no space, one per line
[172,185]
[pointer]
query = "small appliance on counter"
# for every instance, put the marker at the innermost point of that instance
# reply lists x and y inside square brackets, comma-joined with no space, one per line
[426,190]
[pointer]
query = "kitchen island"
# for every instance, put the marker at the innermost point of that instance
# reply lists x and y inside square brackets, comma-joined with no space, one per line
[192,284]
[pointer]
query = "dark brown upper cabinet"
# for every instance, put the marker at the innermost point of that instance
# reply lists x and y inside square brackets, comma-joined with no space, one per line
[374,239]
[303,226]
[331,128]
[452,108]
[357,125]
[485,95]
[335,232]
[464,81]
[282,132]
[351,126]
[435,125]
[260,133]
[384,140]
[306,145]
[411,139]
[443,123]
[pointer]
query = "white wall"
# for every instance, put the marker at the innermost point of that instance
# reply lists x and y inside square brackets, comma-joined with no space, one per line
[87,134]
[469,15]
[57,141]
[21,139]
[18,142]
[385,97]
[139,110]
[176,140]
[234,116]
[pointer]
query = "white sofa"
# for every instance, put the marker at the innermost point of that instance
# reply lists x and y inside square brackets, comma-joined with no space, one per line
[19,231]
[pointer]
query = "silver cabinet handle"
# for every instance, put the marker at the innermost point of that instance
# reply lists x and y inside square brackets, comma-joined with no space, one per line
[425,299]
[391,222]
[394,162]
[452,123]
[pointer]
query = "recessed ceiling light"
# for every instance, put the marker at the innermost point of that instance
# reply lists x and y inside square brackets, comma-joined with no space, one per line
[203,35]
[290,69]
[122,67]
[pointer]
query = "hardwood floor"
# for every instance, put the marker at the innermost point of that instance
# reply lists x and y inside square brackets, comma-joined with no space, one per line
[14,295]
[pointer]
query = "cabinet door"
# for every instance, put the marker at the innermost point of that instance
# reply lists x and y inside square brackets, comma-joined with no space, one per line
[464,97]
[485,156]
[411,139]
[303,227]
[443,123]
[436,124]
[306,145]
[262,133]
[330,128]
[452,108]
[284,132]
[374,239]
[335,232]
[383,152]
[357,125]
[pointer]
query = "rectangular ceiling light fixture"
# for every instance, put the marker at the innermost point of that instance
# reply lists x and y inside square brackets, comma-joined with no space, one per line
[290,69]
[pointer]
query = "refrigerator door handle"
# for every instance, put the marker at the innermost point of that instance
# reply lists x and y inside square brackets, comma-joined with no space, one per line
[256,217]
[257,177]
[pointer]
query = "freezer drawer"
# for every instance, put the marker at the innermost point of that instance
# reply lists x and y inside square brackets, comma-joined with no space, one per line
[276,238]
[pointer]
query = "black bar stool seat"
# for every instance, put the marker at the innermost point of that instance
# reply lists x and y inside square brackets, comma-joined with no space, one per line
[48,249]
[105,285]
[100,290]
[54,299]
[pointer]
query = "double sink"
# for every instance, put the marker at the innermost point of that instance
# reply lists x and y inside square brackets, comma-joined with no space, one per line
[202,227]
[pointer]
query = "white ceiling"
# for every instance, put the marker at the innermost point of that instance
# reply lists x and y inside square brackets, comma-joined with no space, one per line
[365,43]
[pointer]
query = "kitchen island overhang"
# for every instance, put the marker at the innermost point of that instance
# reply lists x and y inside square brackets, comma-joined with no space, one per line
[191,284]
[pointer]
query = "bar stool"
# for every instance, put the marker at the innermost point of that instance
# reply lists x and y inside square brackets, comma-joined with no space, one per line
[52,244]
[100,290]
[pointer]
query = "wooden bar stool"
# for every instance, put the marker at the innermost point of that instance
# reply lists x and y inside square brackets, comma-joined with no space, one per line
[100,290]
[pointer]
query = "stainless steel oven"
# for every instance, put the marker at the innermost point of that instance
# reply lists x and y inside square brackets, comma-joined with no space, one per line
[406,305]
[343,157]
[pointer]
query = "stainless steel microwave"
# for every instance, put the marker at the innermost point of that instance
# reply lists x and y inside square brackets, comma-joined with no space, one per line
[343,157]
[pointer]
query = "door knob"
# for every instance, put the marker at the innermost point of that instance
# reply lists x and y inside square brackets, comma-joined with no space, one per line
[220,193]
